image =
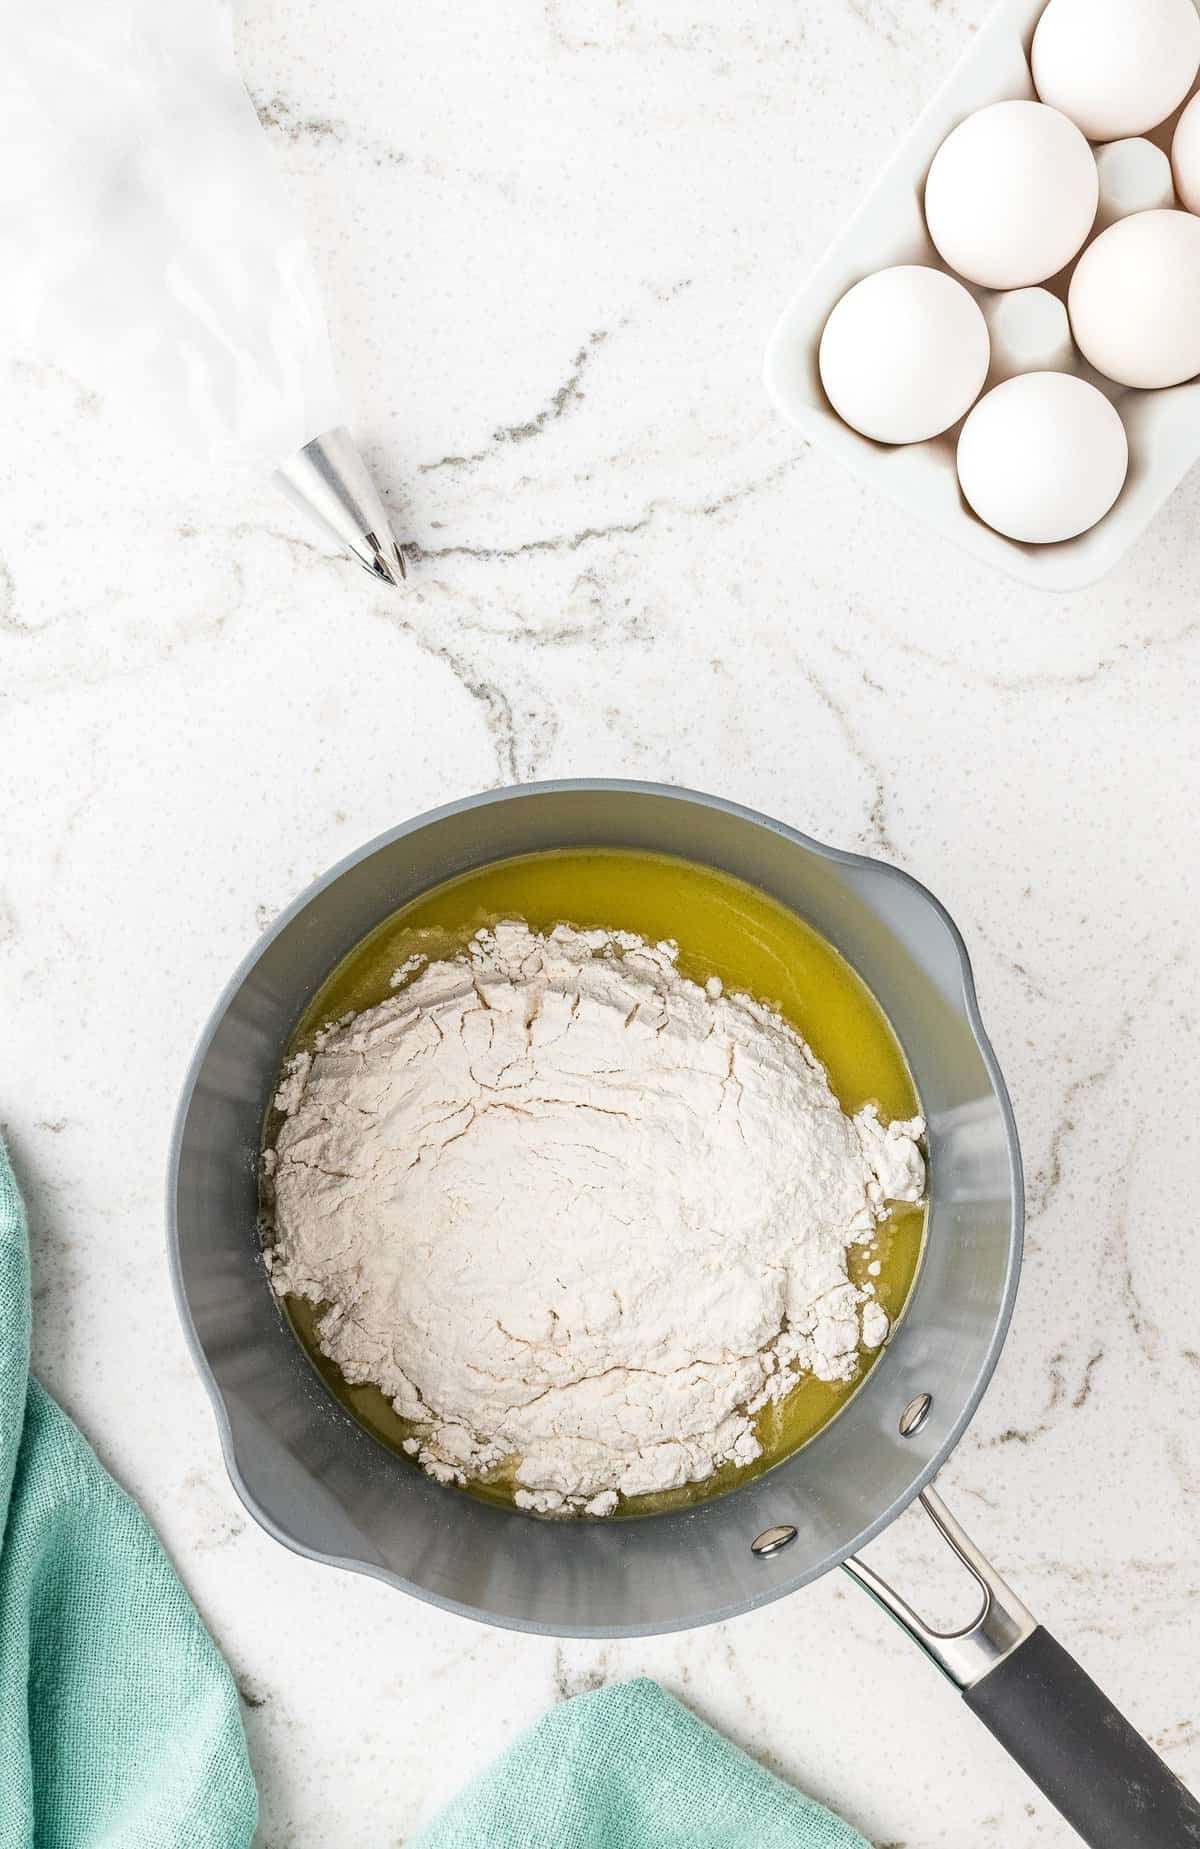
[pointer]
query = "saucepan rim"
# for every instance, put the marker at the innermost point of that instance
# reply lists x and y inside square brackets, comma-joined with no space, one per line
[778,1587]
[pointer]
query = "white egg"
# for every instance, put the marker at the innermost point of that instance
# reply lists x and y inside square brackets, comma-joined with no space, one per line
[1116,67]
[1185,156]
[1043,457]
[904,354]
[1011,195]
[1134,300]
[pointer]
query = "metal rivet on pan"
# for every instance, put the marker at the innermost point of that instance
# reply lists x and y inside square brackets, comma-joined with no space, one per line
[915,1414]
[771,1541]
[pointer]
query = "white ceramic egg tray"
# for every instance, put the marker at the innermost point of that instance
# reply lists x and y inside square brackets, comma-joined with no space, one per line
[889,227]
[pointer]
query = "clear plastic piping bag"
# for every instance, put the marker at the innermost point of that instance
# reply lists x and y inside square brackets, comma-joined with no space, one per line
[147,242]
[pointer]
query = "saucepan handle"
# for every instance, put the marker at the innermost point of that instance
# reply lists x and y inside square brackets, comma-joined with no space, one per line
[1109,1784]
[1066,1733]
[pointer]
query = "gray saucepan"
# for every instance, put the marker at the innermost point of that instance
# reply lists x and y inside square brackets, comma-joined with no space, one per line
[320,1483]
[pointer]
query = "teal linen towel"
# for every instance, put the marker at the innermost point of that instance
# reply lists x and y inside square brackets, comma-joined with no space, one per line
[119,1722]
[629,1768]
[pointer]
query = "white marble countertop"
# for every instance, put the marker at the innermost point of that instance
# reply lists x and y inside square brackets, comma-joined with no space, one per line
[554,238]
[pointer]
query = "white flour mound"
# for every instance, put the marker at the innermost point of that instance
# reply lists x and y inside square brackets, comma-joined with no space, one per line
[569,1209]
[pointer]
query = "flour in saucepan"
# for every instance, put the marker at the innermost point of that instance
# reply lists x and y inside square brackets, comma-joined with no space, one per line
[572,1211]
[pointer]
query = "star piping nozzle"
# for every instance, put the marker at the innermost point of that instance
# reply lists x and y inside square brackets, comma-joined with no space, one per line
[328,481]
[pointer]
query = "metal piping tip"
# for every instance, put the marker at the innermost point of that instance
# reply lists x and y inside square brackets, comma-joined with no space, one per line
[328,481]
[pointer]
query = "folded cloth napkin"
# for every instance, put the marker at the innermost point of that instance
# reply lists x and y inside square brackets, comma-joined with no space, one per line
[629,1768]
[119,1723]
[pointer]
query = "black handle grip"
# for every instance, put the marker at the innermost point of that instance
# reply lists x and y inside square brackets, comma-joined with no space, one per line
[1104,1778]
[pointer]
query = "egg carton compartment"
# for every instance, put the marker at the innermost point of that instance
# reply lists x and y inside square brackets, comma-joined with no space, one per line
[1163,427]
